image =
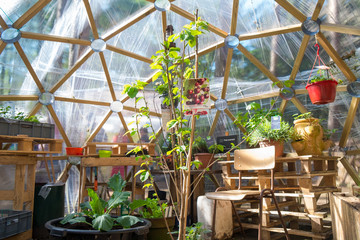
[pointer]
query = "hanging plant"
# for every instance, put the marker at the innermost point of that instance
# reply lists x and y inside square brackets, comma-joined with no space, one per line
[322,88]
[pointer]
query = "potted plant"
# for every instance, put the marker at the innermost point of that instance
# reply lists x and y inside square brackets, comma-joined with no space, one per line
[322,89]
[174,69]
[308,136]
[257,122]
[265,136]
[154,212]
[203,153]
[95,220]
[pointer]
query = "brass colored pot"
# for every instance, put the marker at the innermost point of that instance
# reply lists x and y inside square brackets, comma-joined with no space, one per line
[311,132]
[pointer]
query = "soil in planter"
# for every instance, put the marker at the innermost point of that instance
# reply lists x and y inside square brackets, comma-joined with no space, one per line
[84,226]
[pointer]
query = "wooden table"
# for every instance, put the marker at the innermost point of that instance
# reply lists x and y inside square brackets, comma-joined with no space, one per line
[25,159]
[295,178]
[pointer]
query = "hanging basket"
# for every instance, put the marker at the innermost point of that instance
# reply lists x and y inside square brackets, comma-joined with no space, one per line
[322,92]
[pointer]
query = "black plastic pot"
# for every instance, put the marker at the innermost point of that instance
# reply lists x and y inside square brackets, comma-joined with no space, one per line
[46,209]
[135,233]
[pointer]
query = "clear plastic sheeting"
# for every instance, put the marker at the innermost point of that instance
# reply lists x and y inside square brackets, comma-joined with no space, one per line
[66,65]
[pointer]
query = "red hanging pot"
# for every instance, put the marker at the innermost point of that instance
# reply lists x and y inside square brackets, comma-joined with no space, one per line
[322,92]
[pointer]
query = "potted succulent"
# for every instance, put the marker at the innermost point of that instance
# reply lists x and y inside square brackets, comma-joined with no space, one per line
[203,153]
[322,89]
[95,220]
[154,212]
[308,136]
[257,122]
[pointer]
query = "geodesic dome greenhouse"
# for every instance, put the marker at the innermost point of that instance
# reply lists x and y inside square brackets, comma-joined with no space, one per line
[67,62]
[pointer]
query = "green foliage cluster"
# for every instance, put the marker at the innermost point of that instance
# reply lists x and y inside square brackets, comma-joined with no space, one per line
[306,115]
[151,209]
[200,146]
[257,122]
[264,132]
[172,65]
[254,116]
[7,112]
[323,77]
[98,210]
[195,231]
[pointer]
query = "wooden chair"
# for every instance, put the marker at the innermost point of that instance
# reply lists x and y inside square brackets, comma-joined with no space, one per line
[250,159]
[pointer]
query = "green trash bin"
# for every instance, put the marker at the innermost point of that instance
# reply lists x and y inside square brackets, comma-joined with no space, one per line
[50,207]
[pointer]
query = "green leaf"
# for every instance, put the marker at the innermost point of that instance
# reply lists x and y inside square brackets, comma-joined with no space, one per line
[127,221]
[103,223]
[132,92]
[78,220]
[156,75]
[86,208]
[116,183]
[289,83]
[195,32]
[144,176]
[139,172]
[95,202]
[197,163]
[148,185]
[172,123]
[116,199]
[137,203]
[183,168]
[138,99]
[70,216]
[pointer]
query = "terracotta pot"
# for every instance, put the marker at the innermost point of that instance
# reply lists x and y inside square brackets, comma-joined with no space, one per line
[279,146]
[169,161]
[312,134]
[204,158]
[322,92]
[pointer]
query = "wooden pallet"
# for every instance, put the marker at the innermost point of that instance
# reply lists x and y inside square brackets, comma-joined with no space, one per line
[293,181]
[29,145]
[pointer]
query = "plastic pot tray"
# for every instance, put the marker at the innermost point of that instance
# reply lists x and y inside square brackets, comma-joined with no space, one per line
[13,222]
[15,127]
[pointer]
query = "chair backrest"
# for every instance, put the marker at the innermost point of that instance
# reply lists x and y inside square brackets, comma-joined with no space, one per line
[254,158]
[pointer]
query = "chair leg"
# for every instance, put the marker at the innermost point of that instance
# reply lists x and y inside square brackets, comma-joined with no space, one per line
[238,219]
[213,221]
[260,214]
[280,216]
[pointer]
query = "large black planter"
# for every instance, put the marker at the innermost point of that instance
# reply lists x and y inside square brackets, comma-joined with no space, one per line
[136,233]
